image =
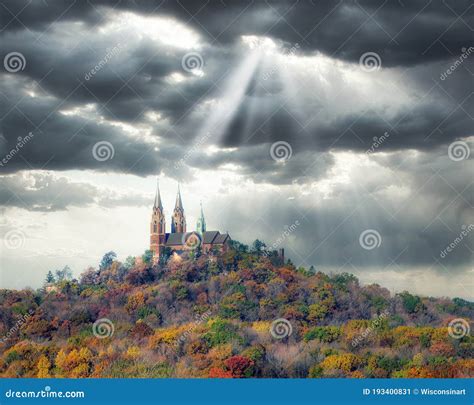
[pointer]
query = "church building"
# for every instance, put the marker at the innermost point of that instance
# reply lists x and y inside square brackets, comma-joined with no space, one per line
[179,240]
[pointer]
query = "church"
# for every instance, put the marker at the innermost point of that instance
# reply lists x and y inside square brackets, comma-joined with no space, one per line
[179,240]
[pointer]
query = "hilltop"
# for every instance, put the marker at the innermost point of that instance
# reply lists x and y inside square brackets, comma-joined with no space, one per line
[240,313]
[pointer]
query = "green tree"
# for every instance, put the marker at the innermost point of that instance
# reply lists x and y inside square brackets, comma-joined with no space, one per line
[129,262]
[49,277]
[64,274]
[107,260]
[258,246]
[147,257]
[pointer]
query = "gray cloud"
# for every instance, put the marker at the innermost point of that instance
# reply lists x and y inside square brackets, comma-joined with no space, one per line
[47,192]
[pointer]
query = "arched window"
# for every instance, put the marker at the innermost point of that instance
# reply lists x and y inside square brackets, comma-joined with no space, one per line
[154,227]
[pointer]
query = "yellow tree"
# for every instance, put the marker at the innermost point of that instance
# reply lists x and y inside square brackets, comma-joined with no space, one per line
[43,367]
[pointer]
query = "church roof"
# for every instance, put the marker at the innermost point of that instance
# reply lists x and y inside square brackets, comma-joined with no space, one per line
[221,238]
[179,238]
[173,239]
[209,236]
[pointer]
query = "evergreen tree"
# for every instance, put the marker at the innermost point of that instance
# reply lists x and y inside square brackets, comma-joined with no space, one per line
[49,278]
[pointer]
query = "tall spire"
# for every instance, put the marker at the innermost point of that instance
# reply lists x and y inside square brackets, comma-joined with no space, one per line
[157,196]
[179,203]
[201,223]
[178,220]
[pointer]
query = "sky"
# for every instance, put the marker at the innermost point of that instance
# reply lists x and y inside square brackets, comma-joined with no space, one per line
[340,131]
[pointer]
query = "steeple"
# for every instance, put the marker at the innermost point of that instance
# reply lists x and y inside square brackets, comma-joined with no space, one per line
[201,223]
[158,197]
[157,226]
[179,203]
[178,220]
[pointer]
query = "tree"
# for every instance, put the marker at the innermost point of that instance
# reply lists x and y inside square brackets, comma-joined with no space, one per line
[147,257]
[411,303]
[64,274]
[49,277]
[240,367]
[43,367]
[129,262]
[107,260]
[258,246]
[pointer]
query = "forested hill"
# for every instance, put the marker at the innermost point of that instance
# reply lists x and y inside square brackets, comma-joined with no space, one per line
[235,314]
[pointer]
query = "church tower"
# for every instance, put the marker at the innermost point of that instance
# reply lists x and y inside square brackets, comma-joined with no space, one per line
[178,220]
[157,226]
[201,223]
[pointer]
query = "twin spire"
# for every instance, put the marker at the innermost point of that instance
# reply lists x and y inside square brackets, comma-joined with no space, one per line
[158,204]
[178,220]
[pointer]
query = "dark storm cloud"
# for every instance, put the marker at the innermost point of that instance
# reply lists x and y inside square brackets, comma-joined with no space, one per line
[402,33]
[62,43]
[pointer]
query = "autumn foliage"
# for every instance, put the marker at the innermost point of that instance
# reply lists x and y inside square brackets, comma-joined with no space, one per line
[211,316]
